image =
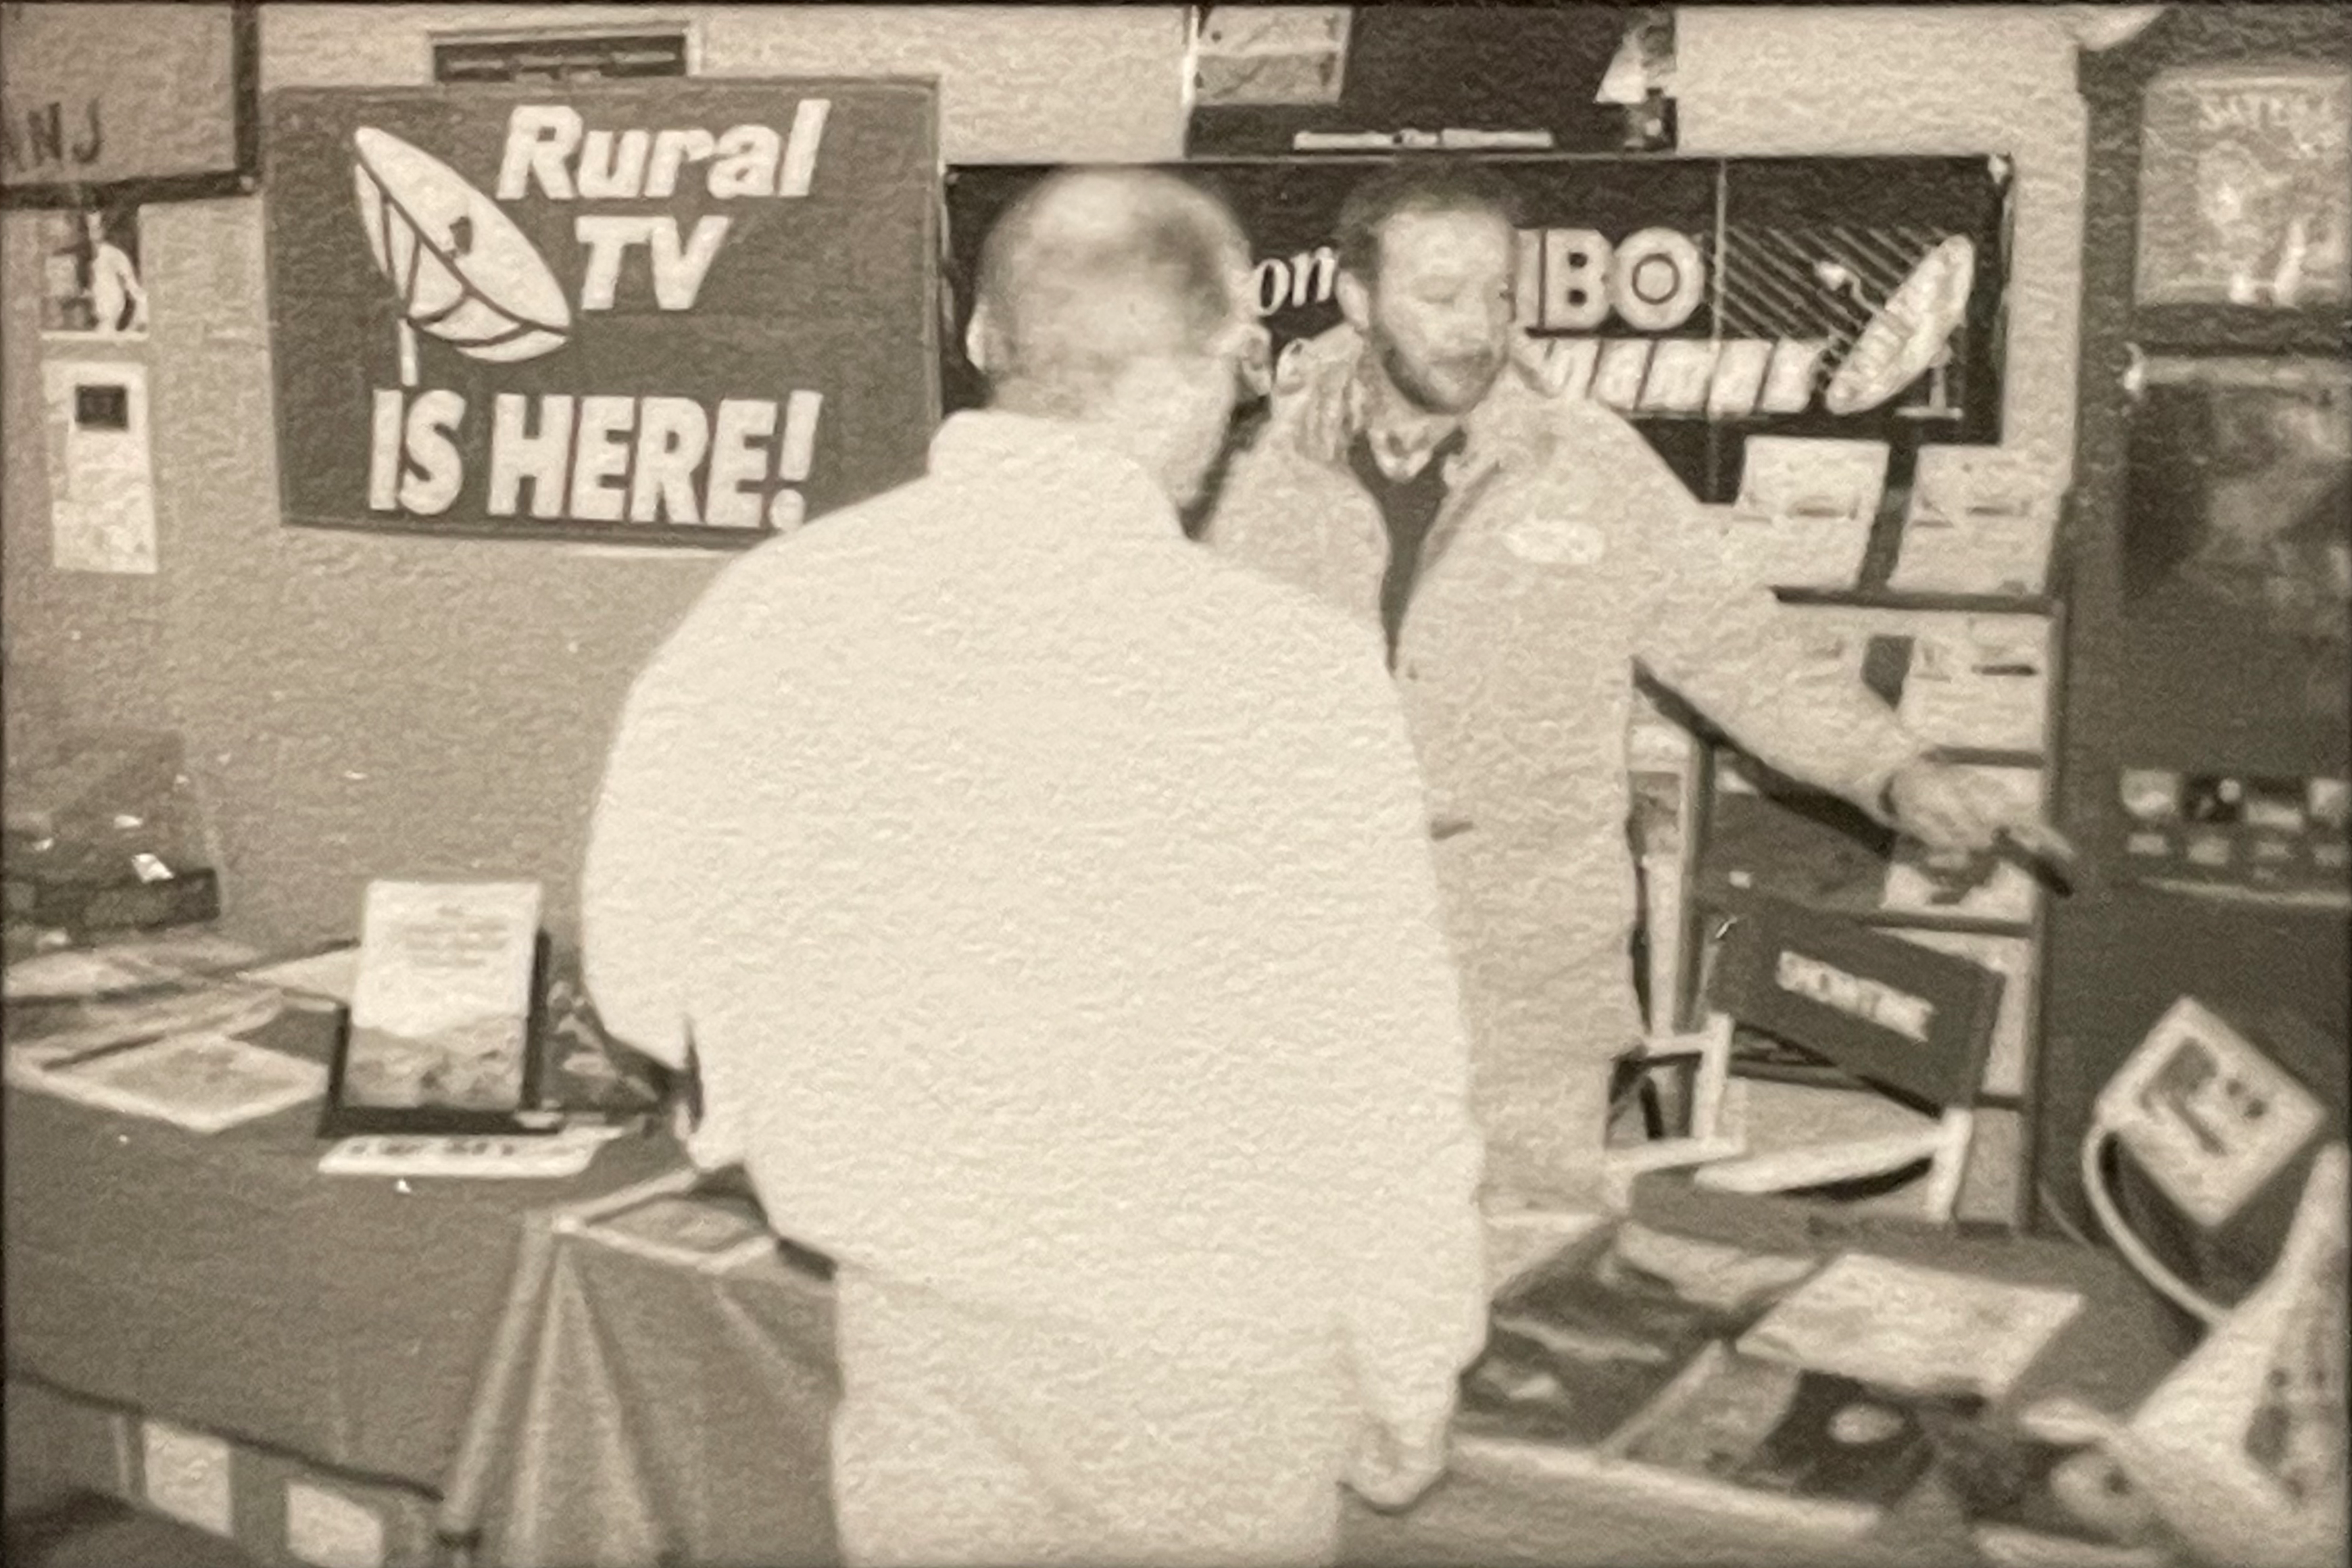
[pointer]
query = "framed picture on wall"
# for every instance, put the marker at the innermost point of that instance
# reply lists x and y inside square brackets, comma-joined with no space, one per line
[84,121]
[2245,189]
[90,282]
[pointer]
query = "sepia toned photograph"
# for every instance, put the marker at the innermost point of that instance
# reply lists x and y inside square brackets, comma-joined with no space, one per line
[1400,785]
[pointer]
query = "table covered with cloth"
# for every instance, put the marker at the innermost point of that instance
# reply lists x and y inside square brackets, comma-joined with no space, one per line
[626,1368]
[159,1279]
[662,1391]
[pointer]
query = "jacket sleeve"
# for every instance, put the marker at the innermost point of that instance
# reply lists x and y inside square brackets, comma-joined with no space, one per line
[636,874]
[1273,505]
[1720,639]
[1407,1158]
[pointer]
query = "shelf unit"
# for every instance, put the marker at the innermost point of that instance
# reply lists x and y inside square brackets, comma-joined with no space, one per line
[1753,835]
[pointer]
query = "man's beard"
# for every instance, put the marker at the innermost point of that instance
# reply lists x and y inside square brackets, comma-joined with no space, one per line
[1473,376]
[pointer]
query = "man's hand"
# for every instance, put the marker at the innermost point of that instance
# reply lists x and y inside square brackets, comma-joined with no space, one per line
[1956,811]
[1390,1470]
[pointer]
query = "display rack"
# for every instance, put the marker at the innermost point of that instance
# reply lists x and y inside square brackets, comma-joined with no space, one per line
[1755,835]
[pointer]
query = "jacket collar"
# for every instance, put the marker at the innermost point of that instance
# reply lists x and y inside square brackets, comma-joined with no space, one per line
[1318,406]
[1061,466]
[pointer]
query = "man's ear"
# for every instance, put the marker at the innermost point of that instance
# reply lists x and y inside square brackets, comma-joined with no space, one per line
[976,338]
[1355,300]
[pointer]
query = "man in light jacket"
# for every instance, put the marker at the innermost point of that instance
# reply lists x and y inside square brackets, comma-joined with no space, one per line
[1047,904]
[1524,553]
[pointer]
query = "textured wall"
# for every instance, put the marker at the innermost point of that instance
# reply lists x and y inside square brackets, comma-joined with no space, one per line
[361,707]
[1016,83]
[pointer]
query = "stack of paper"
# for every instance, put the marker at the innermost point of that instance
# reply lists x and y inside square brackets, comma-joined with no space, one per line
[1980,682]
[1814,501]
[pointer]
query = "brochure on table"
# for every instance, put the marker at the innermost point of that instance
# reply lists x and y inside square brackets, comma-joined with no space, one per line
[444,1008]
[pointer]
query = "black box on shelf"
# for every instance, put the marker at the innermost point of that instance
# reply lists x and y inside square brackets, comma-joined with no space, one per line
[185,898]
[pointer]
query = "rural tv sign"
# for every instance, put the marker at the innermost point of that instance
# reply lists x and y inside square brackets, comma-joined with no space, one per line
[678,313]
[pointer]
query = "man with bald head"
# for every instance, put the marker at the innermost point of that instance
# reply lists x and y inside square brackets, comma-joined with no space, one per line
[1047,907]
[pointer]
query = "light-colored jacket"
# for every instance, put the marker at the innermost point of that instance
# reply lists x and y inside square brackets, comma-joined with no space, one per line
[1566,554]
[1050,908]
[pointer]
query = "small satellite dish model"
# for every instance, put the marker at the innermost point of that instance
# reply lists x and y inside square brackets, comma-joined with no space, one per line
[1908,335]
[465,273]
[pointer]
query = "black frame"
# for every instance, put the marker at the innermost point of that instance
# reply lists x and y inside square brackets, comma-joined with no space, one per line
[243,179]
[339,1120]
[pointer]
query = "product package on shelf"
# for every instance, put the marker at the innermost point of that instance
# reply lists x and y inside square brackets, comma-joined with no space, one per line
[1972,886]
[121,968]
[440,1034]
[105,832]
[1769,838]
[1980,521]
[1806,506]
[2034,1504]
[1904,1326]
[49,1031]
[1962,681]
[1580,1345]
[1980,682]
[1828,1448]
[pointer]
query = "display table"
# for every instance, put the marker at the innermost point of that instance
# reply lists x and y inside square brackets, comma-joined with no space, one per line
[645,1408]
[220,1285]
[382,1363]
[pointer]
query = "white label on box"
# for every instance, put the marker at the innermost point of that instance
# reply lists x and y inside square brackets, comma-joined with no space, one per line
[187,1477]
[330,1531]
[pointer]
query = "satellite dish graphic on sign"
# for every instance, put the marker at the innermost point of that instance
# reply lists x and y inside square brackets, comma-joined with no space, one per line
[465,273]
[1910,334]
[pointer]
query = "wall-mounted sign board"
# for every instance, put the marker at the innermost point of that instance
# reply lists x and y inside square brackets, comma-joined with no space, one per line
[84,121]
[649,311]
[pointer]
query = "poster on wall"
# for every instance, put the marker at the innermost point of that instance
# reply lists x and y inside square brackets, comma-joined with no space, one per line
[1708,300]
[102,485]
[1272,81]
[2246,187]
[667,311]
[85,121]
[90,286]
